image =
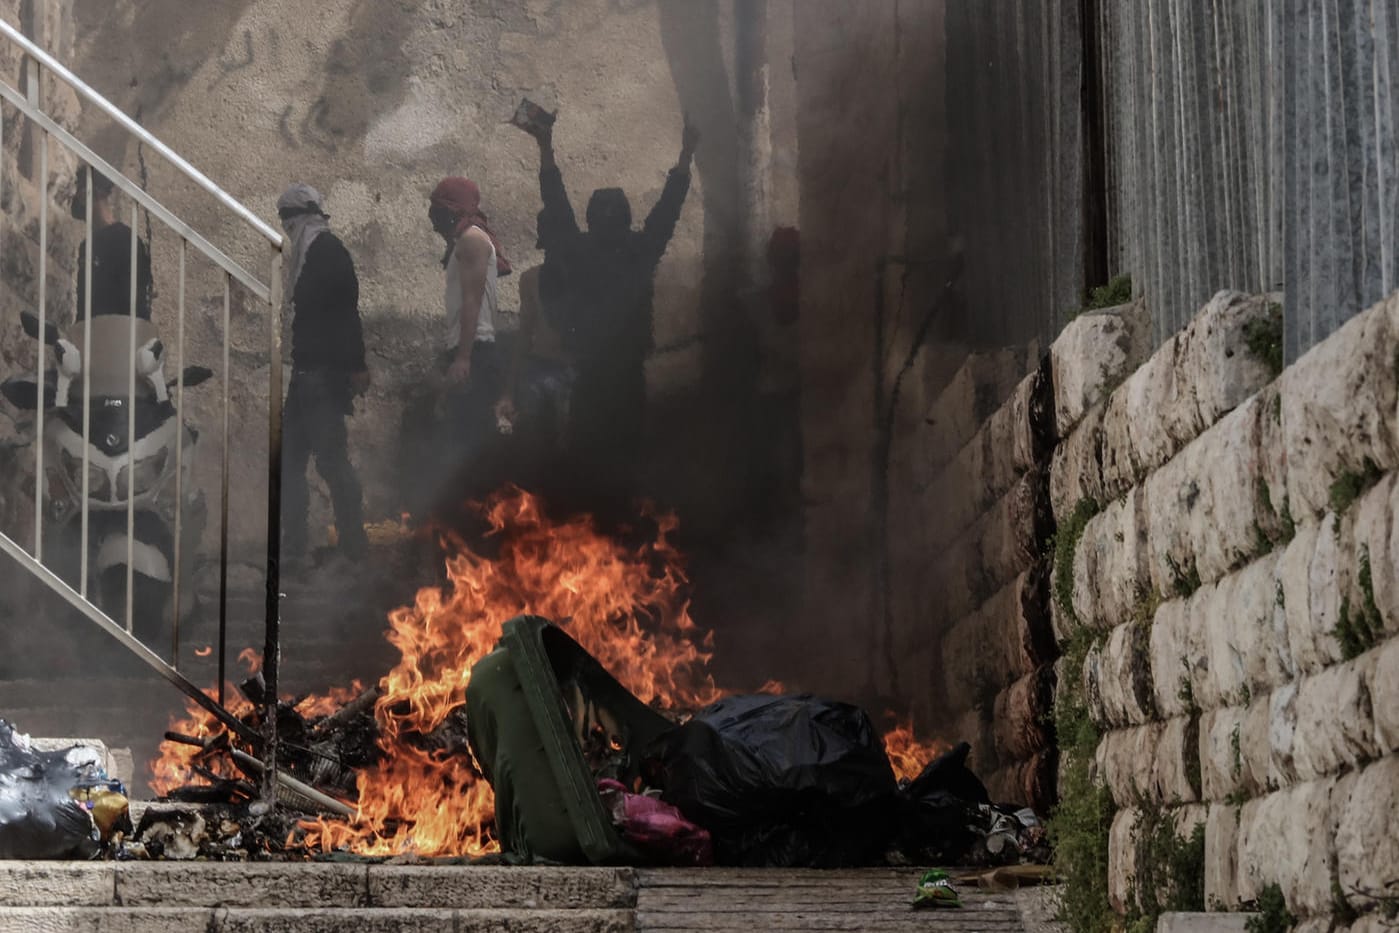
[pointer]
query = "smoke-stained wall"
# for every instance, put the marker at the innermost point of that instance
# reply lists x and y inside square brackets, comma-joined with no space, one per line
[373,102]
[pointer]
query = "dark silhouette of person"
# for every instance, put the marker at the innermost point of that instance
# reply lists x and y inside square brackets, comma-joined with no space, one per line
[111,254]
[596,290]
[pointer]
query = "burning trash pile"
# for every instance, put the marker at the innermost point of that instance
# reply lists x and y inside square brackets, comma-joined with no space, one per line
[552,702]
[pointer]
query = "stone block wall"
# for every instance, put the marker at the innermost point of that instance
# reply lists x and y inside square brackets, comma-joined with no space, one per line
[988,582]
[1235,598]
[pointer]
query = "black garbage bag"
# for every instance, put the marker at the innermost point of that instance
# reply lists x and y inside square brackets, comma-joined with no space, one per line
[790,781]
[944,811]
[39,817]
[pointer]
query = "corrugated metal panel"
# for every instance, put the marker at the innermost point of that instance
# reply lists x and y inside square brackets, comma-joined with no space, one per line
[1246,145]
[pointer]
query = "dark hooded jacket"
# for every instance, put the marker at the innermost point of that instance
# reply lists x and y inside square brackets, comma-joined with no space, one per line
[597,285]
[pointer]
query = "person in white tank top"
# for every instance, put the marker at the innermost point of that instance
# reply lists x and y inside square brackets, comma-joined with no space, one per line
[473,264]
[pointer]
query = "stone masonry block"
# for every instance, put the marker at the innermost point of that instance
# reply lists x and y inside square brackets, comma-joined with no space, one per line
[1021,715]
[1245,636]
[1221,856]
[1002,641]
[1222,769]
[1003,543]
[1384,696]
[1076,471]
[1178,649]
[1108,565]
[1369,538]
[1014,440]
[1287,837]
[1094,353]
[1154,762]
[1198,376]
[1119,676]
[977,389]
[1333,725]
[1202,511]
[1340,404]
[1367,829]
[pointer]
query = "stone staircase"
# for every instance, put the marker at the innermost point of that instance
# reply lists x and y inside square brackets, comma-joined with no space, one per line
[170,897]
[212,897]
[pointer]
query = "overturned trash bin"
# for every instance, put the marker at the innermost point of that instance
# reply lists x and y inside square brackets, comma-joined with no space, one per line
[55,805]
[546,722]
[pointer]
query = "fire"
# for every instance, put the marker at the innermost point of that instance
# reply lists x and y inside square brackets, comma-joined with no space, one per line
[626,605]
[204,652]
[906,753]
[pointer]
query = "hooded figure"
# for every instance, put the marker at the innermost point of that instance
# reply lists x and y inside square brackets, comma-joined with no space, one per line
[321,292]
[597,291]
[111,254]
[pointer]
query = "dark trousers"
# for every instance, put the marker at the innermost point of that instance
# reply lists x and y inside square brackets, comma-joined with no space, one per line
[313,424]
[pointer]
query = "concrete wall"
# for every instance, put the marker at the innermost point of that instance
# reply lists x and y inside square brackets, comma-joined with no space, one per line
[1248,146]
[374,104]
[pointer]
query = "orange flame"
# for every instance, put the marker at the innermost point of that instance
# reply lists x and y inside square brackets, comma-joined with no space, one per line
[204,652]
[907,754]
[627,608]
[252,660]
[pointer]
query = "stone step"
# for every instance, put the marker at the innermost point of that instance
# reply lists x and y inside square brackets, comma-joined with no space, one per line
[312,886]
[315,920]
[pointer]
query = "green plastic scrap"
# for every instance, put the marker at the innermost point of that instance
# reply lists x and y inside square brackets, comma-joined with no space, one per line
[935,890]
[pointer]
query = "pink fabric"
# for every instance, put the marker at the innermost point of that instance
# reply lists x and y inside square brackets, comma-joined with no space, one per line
[659,830]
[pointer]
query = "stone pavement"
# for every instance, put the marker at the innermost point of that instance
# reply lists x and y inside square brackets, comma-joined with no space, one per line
[166,897]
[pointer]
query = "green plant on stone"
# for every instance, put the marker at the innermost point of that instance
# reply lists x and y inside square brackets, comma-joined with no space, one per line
[1185,692]
[1065,543]
[1170,866]
[1118,291]
[1359,629]
[1078,826]
[1351,484]
[1263,336]
[1272,915]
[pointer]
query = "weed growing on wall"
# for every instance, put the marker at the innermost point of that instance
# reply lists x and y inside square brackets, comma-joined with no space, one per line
[1078,827]
[1170,867]
[1263,335]
[1065,543]
[1272,915]
[1358,628]
[1351,484]
[1118,291]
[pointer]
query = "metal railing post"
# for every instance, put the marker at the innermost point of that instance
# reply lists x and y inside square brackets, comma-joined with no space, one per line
[272,648]
[131,437]
[35,100]
[223,498]
[87,390]
[179,460]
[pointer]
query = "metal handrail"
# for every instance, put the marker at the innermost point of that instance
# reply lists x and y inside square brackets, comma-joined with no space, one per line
[31,105]
[135,129]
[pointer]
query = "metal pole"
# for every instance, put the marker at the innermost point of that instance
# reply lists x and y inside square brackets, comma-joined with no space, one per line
[223,500]
[272,649]
[131,437]
[87,387]
[34,99]
[179,458]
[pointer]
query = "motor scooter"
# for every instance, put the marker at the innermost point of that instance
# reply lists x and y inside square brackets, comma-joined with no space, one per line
[118,472]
